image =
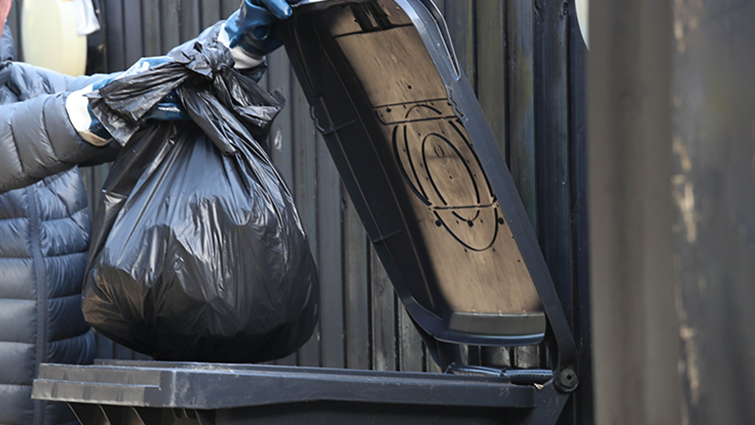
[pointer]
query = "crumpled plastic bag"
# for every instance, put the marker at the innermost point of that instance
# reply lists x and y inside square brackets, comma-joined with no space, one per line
[198,253]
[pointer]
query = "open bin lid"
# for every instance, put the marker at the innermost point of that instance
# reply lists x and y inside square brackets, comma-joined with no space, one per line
[423,169]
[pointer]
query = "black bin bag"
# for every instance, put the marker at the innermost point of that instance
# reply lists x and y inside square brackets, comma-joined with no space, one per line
[198,253]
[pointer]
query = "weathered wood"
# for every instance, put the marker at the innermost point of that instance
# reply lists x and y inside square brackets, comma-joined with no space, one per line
[169,24]
[521,98]
[151,28]
[580,410]
[552,143]
[189,19]
[305,192]
[330,258]
[459,15]
[522,158]
[133,47]
[227,7]
[281,134]
[409,342]
[116,35]
[209,11]
[490,18]
[383,316]
[356,290]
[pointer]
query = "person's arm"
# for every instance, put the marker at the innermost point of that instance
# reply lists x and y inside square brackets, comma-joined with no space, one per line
[37,140]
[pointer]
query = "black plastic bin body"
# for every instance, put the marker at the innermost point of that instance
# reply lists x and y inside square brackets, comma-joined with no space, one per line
[154,393]
[412,223]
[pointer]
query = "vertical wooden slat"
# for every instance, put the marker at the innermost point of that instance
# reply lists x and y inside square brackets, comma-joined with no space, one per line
[552,142]
[430,365]
[152,35]
[133,41]
[281,134]
[490,17]
[228,7]
[115,36]
[189,26]
[521,94]
[521,143]
[583,398]
[459,15]
[330,257]
[305,190]
[356,290]
[209,12]
[410,343]
[169,24]
[383,316]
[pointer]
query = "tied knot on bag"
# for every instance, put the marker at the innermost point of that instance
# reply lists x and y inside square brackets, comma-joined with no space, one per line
[219,99]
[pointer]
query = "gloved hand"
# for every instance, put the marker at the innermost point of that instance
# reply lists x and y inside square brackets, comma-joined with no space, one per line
[252,31]
[90,128]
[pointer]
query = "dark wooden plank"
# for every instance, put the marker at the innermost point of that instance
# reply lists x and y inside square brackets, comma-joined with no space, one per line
[209,12]
[410,343]
[552,143]
[356,290]
[490,17]
[459,15]
[169,24]
[526,357]
[430,365]
[580,409]
[383,316]
[152,36]
[227,7]
[521,142]
[330,258]
[115,36]
[499,357]
[305,192]
[133,40]
[281,134]
[189,19]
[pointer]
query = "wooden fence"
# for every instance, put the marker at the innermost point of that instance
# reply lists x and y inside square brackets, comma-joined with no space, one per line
[524,60]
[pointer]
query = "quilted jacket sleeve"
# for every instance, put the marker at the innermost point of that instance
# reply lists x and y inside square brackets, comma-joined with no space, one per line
[37,140]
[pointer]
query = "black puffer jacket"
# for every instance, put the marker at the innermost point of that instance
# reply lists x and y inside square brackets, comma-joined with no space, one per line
[44,235]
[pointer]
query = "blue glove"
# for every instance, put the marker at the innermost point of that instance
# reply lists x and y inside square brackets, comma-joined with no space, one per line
[254,28]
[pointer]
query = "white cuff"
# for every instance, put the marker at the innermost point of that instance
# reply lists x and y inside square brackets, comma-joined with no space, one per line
[77,106]
[243,59]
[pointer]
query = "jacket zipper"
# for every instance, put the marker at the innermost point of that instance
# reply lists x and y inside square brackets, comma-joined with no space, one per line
[42,295]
